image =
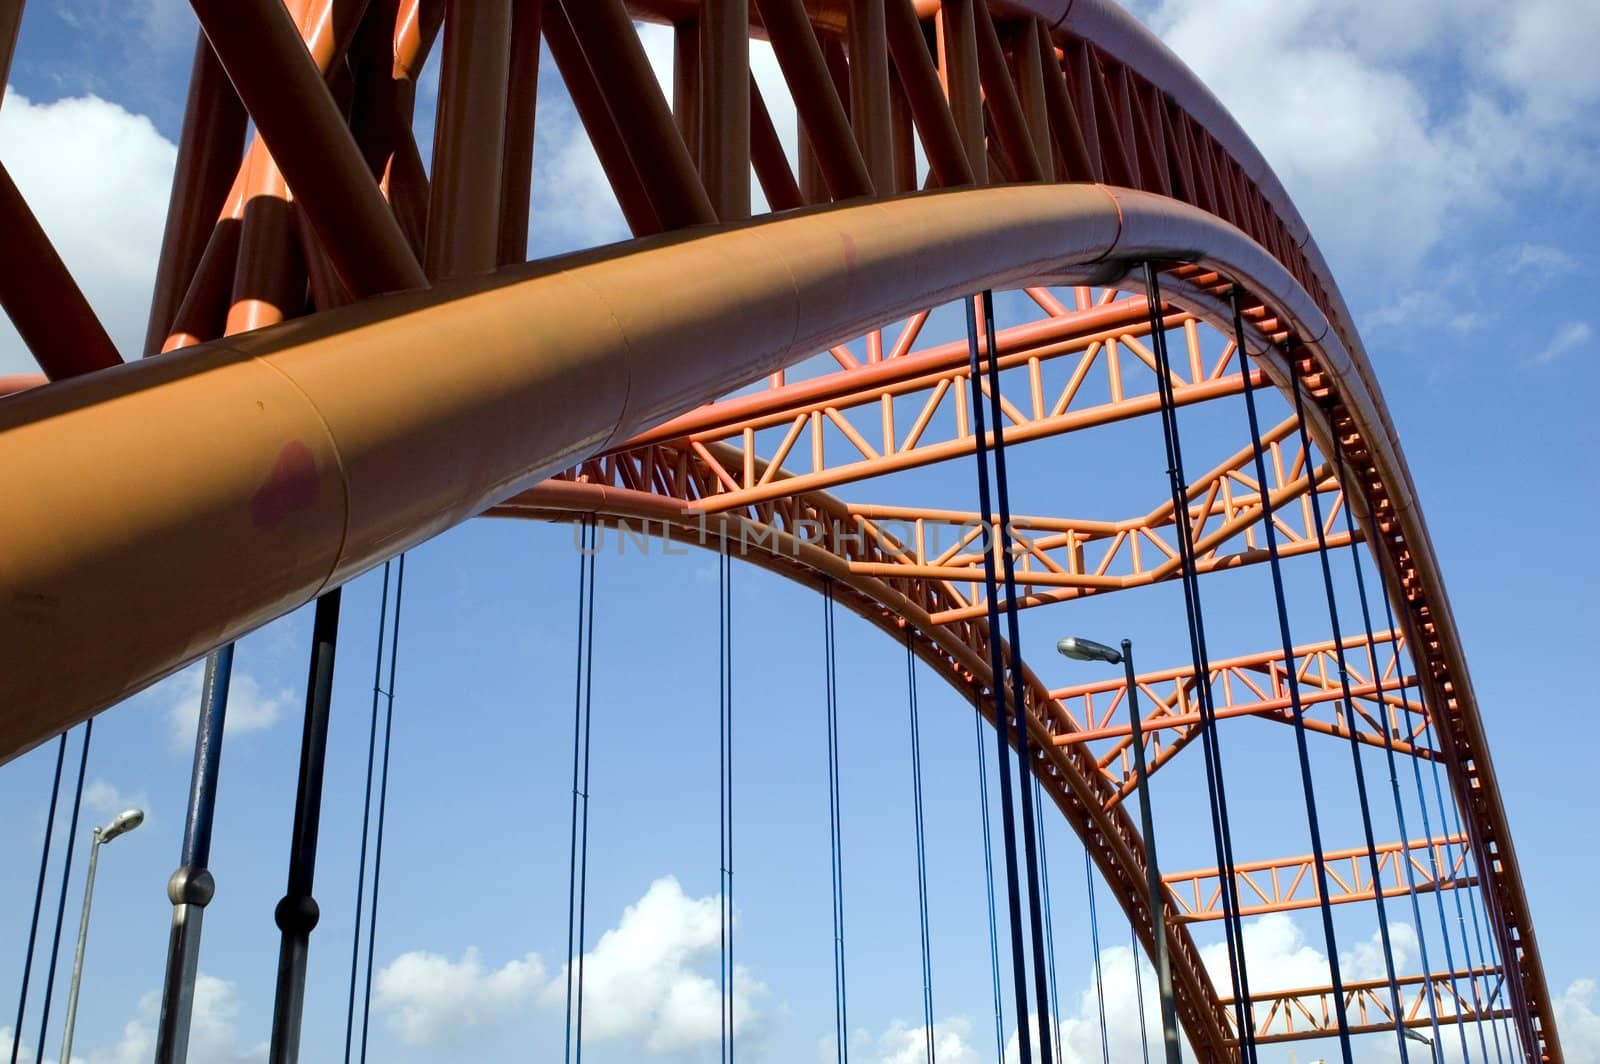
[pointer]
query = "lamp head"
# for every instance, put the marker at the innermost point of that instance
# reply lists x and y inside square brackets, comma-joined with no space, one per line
[125,822]
[1080,649]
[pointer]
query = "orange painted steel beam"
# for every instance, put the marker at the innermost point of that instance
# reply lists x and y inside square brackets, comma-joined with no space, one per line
[208,157]
[609,147]
[919,78]
[640,111]
[725,124]
[10,24]
[464,206]
[807,538]
[1254,685]
[869,90]
[822,114]
[959,70]
[1288,885]
[516,173]
[325,478]
[1309,1012]
[768,158]
[286,97]
[44,303]
[1005,106]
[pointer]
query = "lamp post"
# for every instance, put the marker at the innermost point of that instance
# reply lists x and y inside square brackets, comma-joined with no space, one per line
[1088,650]
[124,823]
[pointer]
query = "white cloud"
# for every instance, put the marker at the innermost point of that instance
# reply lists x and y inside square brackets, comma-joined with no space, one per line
[1391,125]
[431,999]
[1578,1024]
[1540,261]
[250,708]
[904,1044]
[213,1031]
[104,220]
[643,980]
[1569,337]
[644,983]
[105,800]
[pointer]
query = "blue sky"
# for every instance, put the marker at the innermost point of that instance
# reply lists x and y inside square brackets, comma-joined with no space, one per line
[1445,156]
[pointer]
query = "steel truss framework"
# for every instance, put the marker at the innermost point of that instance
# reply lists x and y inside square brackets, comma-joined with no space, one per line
[1465,996]
[1287,885]
[317,96]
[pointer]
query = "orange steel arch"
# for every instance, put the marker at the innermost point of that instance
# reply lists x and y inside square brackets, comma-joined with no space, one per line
[290,459]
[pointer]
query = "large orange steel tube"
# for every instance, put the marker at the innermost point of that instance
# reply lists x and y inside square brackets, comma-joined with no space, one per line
[311,451]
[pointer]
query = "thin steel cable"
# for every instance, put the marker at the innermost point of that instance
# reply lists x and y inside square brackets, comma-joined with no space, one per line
[1049,924]
[1394,778]
[725,797]
[922,852]
[1094,941]
[366,816]
[38,901]
[1002,722]
[1455,985]
[1019,702]
[1138,991]
[1484,958]
[578,859]
[841,997]
[1356,763]
[383,800]
[1383,588]
[66,874]
[1438,877]
[1221,831]
[988,878]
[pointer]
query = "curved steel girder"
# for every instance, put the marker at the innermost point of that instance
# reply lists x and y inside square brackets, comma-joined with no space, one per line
[799,537]
[296,457]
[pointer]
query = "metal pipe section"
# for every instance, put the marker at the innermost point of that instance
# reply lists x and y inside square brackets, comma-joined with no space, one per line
[297,457]
[1171,1040]
[191,887]
[297,914]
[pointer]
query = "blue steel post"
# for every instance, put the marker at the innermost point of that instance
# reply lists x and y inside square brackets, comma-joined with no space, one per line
[191,887]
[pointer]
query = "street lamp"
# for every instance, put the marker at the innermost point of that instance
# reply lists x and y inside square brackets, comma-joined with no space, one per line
[124,822]
[1080,649]
[1417,1037]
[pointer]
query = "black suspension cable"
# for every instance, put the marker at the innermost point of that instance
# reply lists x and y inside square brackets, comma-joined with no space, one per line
[988,877]
[725,797]
[1019,701]
[383,797]
[841,997]
[1483,959]
[1466,952]
[1437,1048]
[1138,991]
[366,815]
[1221,832]
[578,857]
[38,900]
[66,874]
[922,851]
[1344,690]
[1094,942]
[1466,944]
[1416,769]
[1049,924]
[1002,722]
[1433,863]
